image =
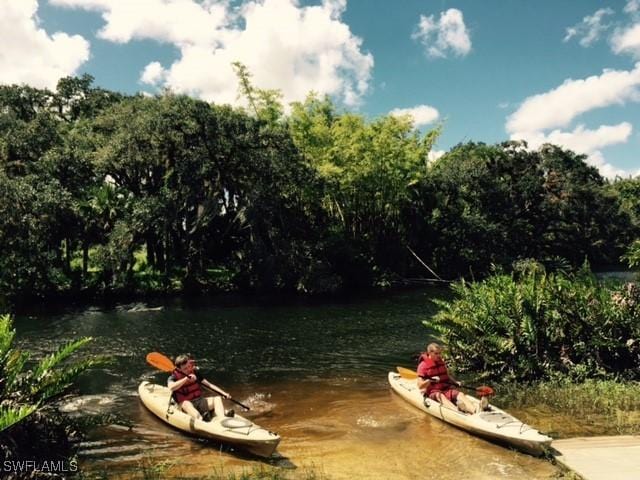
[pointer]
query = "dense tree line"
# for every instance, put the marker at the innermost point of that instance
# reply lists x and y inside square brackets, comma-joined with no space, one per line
[106,192]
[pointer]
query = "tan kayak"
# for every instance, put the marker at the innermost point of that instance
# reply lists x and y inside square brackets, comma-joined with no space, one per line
[237,431]
[493,424]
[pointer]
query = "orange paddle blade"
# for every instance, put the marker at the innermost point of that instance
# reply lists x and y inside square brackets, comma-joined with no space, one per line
[406,373]
[161,362]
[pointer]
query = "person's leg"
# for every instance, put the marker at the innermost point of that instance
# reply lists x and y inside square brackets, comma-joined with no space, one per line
[440,397]
[202,405]
[210,403]
[190,410]
[216,405]
[465,404]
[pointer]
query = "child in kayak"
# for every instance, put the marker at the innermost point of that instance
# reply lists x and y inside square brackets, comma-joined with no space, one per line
[436,383]
[185,382]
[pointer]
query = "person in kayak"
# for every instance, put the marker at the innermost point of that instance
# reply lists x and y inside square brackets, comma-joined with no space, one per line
[185,382]
[436,383]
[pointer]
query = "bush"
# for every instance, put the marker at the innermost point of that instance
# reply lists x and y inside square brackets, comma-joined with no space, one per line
[533,324]
[30,425]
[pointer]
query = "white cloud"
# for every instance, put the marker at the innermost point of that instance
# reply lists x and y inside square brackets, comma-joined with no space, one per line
[434,155]
[28,54]
[627,41]
[448,34]
[596,159]
[153,73]
[558,107]
[590,28]
[421,114]
[584,141]
[632,7]
[262,34]
[180,22]
[580,140]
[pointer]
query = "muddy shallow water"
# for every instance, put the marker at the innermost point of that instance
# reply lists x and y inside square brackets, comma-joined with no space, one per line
[338,427]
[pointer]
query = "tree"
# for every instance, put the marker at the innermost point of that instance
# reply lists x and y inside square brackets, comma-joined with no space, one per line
[370,169]
[495,204]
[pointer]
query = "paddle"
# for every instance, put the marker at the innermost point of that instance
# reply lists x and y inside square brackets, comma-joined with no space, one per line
[481,390]
[161,362]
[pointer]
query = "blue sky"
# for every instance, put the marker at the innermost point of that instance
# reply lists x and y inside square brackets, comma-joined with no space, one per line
[565,71]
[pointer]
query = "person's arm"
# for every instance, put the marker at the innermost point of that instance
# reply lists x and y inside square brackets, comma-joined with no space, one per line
[178,384]
[215,388]
[453,381]
[423,379]
[207,383]
[423,382]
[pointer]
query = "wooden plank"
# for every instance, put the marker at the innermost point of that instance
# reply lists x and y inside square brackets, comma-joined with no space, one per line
[601,458]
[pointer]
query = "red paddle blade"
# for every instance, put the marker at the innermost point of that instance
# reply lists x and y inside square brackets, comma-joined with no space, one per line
[159,361]
[485,391]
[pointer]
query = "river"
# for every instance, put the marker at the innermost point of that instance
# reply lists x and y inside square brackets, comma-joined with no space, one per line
[313,372]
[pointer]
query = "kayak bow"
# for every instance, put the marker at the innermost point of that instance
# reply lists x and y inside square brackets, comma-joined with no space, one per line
[492,424]
[237,431]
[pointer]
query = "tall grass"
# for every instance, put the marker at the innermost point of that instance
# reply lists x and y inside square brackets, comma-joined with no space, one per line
[601,406]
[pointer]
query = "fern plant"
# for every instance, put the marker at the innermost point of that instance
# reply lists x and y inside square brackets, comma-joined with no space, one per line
[9,416]
[532,324]
[24,391]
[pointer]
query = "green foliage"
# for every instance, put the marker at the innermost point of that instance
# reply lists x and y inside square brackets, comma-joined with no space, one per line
[633,255]
[532,324]
[315,201]
[30,423]
[628,191]
[265,104]
[370,169]
[22,390]
[33,214]
[9,416]
[605,406]
[484,205]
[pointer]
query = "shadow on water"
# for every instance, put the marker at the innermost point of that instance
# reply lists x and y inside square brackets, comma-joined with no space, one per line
[314,373]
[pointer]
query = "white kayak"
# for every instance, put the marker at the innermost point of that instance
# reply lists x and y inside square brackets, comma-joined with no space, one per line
[237,431]
[493,424]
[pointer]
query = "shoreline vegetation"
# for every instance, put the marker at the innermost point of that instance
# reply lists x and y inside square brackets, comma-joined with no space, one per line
[105,196]
[30,421]
[559,344]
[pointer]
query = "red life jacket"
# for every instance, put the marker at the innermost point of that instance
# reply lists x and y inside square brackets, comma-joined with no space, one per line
[430,368]
[187,392]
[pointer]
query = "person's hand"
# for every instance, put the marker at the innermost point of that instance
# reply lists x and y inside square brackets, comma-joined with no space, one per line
[458,383]
[435,379]
[227,396]
[192,378]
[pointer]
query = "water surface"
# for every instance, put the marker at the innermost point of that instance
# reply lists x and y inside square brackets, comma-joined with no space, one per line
[315,373]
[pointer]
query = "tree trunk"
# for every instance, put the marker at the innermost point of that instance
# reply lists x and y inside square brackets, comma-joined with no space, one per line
[85,258]
[67,262]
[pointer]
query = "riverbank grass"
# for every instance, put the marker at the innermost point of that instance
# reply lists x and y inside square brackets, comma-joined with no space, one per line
[153,469]
[609,406]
